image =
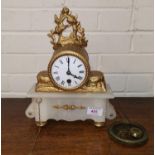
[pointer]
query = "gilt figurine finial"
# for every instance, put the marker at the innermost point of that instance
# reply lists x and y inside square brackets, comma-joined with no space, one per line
[65,21]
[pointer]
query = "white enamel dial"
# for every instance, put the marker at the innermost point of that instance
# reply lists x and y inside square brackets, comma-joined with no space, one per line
[68,72]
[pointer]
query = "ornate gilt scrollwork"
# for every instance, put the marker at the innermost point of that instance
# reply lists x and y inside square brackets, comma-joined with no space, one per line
[69,107]
[65,21]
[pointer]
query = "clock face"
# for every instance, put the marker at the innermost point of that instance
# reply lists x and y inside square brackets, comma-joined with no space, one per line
[68,72]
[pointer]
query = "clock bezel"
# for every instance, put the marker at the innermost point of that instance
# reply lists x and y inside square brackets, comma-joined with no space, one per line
[67,53]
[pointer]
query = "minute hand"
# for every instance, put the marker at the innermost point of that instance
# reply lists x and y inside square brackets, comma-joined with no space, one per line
[68,71]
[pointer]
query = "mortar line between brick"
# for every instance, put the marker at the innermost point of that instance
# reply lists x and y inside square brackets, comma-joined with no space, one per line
[132,26]
[87,33]
[59,8]
[116,93]
[91,53]
[105,73]
[97,54]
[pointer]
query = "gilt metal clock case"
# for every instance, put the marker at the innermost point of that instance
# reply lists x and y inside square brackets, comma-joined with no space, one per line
[72,45]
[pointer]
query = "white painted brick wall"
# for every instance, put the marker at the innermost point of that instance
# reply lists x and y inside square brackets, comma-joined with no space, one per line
[143,43]
[99,3]
[115,20]
[144,3]
[120,35]
[140,83]
[144,19]
[32,3]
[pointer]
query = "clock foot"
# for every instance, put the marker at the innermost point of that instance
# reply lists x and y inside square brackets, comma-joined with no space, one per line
[40,123]
[99,124]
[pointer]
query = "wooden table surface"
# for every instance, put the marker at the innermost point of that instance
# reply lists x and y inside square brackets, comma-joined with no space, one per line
[20,136]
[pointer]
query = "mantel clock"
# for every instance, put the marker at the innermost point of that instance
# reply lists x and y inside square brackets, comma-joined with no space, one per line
[68,89]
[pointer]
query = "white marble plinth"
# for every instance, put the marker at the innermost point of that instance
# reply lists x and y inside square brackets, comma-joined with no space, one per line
[70,106]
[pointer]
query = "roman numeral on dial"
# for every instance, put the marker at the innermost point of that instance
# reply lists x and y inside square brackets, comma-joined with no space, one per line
[80,78]
[55,72]
[56,66]
[57,78]
[81,71]
[74,61]
[62,82]
[79,65]
[61,61]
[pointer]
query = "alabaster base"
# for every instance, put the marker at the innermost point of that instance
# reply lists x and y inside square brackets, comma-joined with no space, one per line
[70,107]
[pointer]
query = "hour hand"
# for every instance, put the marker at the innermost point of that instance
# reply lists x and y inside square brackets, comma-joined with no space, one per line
[77,77]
